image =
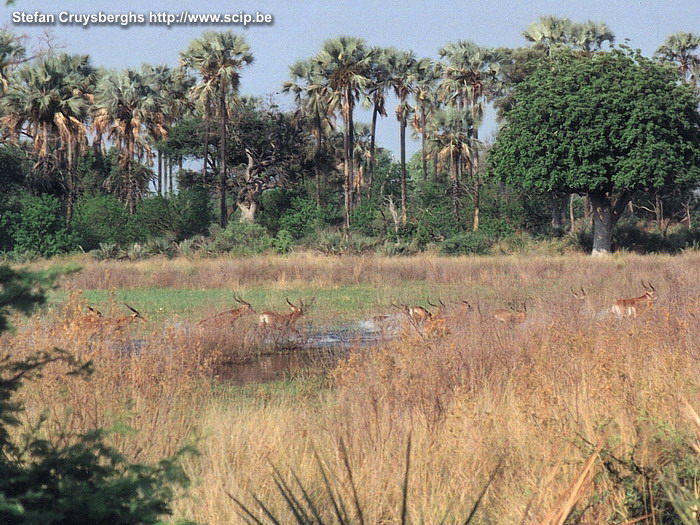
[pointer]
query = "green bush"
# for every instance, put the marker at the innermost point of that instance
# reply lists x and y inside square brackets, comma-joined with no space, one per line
[39,225]
[178,217]
[240,238]
[303,218]
[103,219]
[283,241]
[471,243]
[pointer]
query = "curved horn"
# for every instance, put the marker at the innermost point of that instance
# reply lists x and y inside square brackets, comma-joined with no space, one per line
[241,301]
[95,311]
[431,304]
[289,302]
[136,312]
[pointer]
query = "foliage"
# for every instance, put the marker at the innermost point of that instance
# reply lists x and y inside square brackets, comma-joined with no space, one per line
[469,243]
[601,124]
[103,219]
[241,239]
[612,120]
[179,216]
[303,218]
[12,173]
[39,225]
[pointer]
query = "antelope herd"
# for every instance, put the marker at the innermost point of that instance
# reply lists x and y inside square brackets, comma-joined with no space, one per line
[418,316]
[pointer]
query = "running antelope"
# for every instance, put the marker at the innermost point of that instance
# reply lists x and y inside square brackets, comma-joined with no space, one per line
[284,321]
[417,314]
[440,309]
[629,307]
[119,323]
[96,322]
[229,316]
[510,316]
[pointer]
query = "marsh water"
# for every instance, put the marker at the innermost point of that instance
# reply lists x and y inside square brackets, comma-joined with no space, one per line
[312,350]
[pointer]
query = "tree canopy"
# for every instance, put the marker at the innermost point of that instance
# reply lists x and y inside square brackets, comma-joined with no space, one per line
[603,125]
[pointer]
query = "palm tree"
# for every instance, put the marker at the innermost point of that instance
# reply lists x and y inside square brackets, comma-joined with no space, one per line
[466,78]
[426,104]
[589,36]
[125,107]
[362,156]
[452,130]
[405,70]
[346,63]
[48,102]
[312,100]
[376,95]
[219,58]
[549,32]
[173,84]
[12,53]
[682,49]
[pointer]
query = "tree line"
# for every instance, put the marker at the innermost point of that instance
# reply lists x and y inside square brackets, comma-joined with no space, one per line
[589,130]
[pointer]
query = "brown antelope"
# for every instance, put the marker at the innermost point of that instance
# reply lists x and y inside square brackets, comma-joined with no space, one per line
[91,321]
[417,314]
[96,322]
[229,316]
[440,309]
[511,316]
[284,321]
[629,307]
[119,323]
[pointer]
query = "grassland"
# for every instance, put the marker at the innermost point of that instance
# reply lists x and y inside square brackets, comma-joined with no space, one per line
[572,394]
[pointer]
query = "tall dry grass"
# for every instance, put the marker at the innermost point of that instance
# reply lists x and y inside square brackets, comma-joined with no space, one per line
[573,409]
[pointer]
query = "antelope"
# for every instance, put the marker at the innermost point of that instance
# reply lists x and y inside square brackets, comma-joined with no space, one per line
[90,321]
[440,309]
[465,306]
[120,323]
[284,321]
[511,316]
[629,307]
[582,296]
[229,315]
[417,314]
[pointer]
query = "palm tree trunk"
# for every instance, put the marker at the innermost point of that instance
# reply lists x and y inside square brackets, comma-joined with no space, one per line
[372,144]
[476,185]
[404,196]
[223,219]
[206,145]
[423,151]
[454,176]
[317,157]
[160,173]
[348,144]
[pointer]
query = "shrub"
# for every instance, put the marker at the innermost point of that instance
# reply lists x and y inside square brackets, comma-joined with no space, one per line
[471,243]
[177,217]
[241,239]
[103,219]
[40,226]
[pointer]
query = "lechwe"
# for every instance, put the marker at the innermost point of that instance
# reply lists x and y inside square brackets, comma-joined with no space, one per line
[229,315]
[630,307]
[284,321]
[511,316]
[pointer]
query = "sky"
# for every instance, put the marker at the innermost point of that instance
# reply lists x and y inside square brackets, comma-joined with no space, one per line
[299,28]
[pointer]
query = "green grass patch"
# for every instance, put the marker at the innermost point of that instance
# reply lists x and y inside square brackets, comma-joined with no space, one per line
[332,306]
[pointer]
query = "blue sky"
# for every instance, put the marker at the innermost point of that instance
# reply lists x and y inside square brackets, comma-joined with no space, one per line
[299,29]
